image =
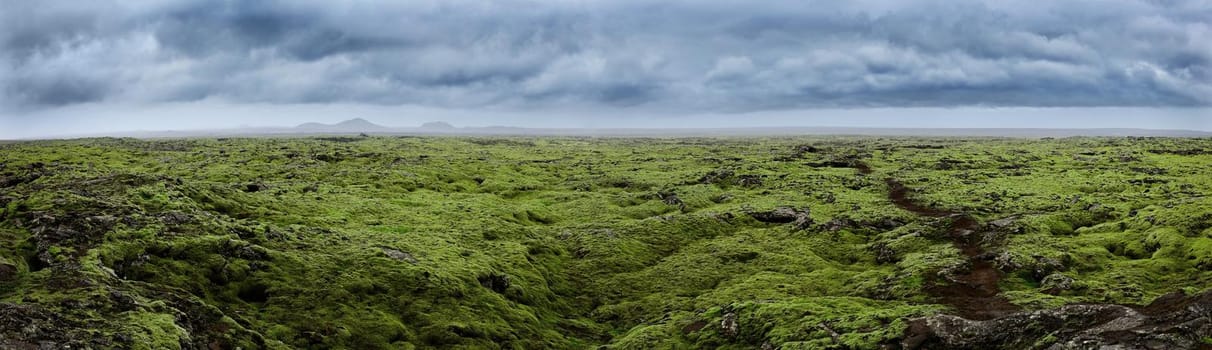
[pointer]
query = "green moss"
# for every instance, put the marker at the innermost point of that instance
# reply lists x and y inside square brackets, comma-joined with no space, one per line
[578,242]
[153,331]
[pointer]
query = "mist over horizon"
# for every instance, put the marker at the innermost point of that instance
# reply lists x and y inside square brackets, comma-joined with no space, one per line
[91,121]
[74,122]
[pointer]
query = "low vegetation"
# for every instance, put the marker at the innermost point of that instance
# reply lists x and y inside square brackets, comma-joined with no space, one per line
[525,243]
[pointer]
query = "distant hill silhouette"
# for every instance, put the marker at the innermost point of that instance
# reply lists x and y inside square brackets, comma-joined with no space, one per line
[437,126]
[352,125]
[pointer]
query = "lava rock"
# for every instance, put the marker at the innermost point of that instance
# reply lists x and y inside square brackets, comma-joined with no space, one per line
[255,187]
[174,218]
[1056,283]
[496,282]
[34,327]
[8,271]
[1170,322]
[728,325]
[883,253]
[399,255]
[785,215]
[718,176]
[1044,266]
[1005,262]
[670,198]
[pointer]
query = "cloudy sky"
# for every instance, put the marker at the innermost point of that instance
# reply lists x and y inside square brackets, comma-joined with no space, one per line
[73,66]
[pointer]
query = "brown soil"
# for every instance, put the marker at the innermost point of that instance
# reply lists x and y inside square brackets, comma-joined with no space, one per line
[974,293]
[987,320]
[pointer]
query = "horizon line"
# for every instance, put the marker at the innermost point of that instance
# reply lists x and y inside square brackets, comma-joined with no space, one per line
[485,130]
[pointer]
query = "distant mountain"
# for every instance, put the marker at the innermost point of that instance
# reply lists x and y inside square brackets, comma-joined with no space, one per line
[437,126]
[312,126]
[359,123]
[352,125]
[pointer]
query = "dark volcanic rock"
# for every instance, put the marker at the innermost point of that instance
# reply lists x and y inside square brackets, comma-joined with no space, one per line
[1003,223]
[8,271]
[32,327]
[399,255]
[77,230]
[1056,283]
[255,187]
[784,215]
[12,180]
[883,253]
[749,180]
[718,176]
[729,326]
[1171,322]
[174,218]
[496,282]
[204,323]
[670,199]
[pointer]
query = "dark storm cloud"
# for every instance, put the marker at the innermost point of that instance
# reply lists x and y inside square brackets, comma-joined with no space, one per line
[685,55]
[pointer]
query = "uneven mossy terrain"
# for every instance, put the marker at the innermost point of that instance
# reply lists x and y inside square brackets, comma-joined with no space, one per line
[402,242]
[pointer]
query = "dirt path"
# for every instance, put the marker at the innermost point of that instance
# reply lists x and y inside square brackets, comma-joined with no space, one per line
[983,319]
[973,293]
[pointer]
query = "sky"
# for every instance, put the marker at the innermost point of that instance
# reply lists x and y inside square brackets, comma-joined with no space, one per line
[108,65]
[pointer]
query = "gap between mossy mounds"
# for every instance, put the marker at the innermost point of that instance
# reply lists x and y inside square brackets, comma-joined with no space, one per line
[973,294]
[984,319]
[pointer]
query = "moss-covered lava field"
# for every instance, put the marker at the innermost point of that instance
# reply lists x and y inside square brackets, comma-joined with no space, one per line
[618,243]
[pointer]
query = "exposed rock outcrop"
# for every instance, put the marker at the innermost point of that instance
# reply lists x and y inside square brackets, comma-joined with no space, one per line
[799,218]
[399,255]
[1173,321]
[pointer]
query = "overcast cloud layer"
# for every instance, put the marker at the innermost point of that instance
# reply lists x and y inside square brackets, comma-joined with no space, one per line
[701,56]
